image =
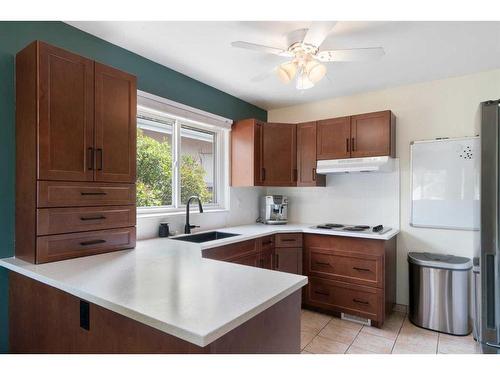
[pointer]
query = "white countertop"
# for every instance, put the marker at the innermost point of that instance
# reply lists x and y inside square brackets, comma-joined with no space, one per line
[167,285]
[247,232]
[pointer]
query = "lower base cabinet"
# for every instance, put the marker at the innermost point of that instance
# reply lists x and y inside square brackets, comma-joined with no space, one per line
[46,320]
[349,275]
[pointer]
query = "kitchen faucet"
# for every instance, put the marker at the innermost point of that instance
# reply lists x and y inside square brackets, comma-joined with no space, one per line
[188,227]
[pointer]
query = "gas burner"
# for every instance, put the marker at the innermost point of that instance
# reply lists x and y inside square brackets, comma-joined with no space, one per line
[357,228]
[362,226]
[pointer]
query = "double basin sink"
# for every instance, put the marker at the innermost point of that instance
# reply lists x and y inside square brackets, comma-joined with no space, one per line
[205,237]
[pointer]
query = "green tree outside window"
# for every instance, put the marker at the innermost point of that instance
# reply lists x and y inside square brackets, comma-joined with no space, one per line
[154,174]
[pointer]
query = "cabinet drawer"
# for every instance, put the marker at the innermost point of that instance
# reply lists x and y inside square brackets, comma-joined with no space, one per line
[344,266]
[289,240]
[79,219]
[70,194]
[342,297]
[267,242]
[65,246]
[231,251]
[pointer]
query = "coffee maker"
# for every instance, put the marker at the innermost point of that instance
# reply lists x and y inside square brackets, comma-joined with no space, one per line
[274,209]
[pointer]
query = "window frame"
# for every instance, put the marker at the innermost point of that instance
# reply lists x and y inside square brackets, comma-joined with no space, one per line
[221,163]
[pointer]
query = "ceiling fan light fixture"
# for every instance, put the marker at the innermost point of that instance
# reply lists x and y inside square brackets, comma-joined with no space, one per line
[315,71]
[287,71]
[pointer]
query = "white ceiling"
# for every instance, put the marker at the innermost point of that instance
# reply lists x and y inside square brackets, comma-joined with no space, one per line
[415,52]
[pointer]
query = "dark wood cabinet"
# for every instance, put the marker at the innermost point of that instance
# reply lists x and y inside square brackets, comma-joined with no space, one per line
[115,125]
[246,149]
[368,134]
[351,275]
[373,134]
[75,147]
[273,154]
[288,253]
[333,138]
[306,156]
[66,114]
[279,154]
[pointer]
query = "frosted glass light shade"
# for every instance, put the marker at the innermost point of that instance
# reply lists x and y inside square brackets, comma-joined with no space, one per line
[287,71]
[315,71]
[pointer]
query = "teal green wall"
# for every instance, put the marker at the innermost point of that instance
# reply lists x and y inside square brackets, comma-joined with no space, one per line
[151,77]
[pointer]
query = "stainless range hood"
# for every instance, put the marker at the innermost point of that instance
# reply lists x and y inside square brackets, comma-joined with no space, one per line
[368,164]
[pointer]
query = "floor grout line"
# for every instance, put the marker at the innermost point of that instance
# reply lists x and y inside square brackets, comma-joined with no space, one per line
[399,332]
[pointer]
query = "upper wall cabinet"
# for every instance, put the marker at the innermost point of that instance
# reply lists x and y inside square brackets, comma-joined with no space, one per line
[87,119]
[373,134]
[66,97]
[279,154]
[369,134]
[333,137]
[246,146]
[306,156]
[115,125]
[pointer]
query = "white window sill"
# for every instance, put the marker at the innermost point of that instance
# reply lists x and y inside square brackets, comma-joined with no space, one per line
[176,212]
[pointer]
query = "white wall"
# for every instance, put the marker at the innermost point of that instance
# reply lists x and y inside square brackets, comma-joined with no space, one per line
[244,209]
[443,108]
[354,198]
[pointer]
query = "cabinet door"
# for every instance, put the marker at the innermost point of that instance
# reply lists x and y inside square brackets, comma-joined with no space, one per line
[288,259]
[371,134]
[279,150]
[306,156]
[66,115]
[267,258]
[115,125]
[248,260]
[333,138]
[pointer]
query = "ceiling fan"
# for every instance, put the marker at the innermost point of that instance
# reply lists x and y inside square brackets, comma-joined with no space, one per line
[306,64]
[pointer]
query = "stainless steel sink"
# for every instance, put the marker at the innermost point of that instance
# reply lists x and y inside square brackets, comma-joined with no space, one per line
[205,237]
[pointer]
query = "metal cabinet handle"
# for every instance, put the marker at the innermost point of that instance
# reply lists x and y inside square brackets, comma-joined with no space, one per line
[314,174]
[353,144]
[99,150]
[288,240]
[360,301]
[263,172]
[322,293]
[90,160]
[93,218]
[347,145]
[277,257]
[295,175]
[93,193]
[361,269]
[93,242]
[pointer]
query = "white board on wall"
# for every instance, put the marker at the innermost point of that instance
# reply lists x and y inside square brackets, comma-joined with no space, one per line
[445,177]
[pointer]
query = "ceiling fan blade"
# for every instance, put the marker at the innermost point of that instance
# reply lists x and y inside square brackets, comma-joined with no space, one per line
[354,54]
[318,32]
[261,48]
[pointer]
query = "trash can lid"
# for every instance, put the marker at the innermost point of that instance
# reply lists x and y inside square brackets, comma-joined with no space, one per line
[449,262]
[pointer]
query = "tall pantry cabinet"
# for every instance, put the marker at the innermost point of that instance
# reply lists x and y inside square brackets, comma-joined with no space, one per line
[75,155]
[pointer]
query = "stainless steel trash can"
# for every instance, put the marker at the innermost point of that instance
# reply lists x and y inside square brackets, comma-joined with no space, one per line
[439,292]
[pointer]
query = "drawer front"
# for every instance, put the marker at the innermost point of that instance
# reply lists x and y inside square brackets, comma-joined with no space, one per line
[289,240]
[231,251]
[341,297]
[267,242]
[344,266]
[252,260]
[66,246]
[70,194]
[79,219]
[341,243]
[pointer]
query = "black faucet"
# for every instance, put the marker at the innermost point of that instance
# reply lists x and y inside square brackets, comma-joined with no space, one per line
[188,227]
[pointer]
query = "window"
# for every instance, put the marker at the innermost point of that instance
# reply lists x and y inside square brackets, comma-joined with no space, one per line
[177,158]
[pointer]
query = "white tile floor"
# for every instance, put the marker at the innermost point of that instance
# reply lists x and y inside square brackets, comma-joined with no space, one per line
[324,334]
